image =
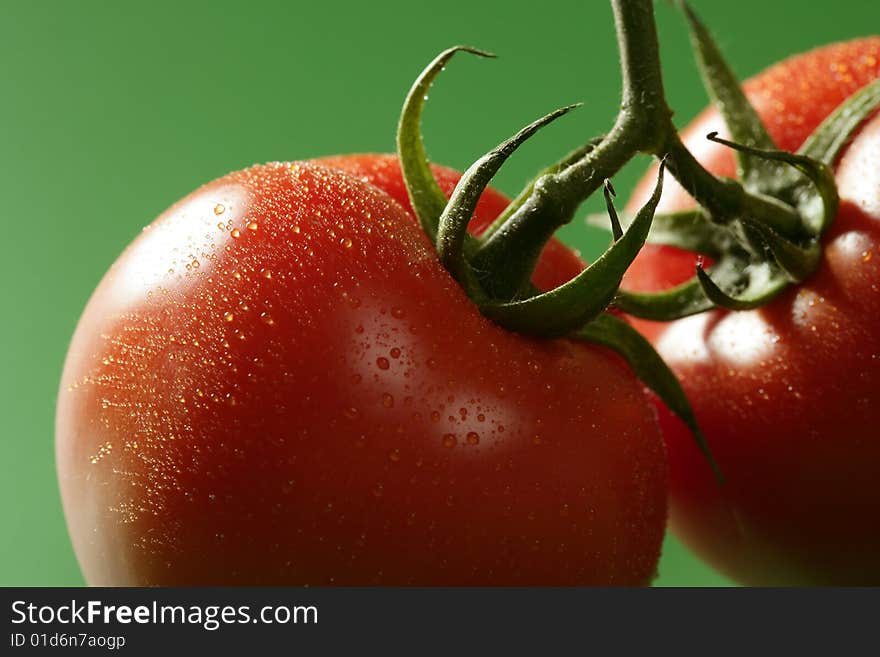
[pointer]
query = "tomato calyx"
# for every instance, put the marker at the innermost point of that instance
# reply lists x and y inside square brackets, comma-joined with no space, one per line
[575,309]
[757,254]
[553,313]
[452,234]
[762,231]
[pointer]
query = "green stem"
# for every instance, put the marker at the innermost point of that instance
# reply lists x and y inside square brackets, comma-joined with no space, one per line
[644,114]
[526,193]
[643,125]
[452,231]
[585,296]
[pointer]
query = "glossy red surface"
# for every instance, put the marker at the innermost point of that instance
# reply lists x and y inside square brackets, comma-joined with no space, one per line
[277,383]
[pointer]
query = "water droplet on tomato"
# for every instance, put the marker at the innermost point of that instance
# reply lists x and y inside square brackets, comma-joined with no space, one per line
[252,225]
[346,242]
[473,438]
[382,363]
[219,209]
[266,273]
[387,400]
[394,455]
[236,233]
[449,440]
[395,352]
[228,317]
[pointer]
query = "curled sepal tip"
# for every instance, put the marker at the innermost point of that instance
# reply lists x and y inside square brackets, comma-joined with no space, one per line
[425,194]
[581,299]
[614,333]
[718,296]
[733,282]
[452,227]
[736,285]
[817,209]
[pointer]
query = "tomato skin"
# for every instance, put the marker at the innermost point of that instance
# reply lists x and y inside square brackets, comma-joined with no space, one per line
[277,383]
[788,395]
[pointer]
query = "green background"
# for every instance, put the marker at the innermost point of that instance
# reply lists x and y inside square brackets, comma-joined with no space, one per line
[112,111]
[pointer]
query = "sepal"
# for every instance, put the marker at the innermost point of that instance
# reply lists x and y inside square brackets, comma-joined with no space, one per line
[425,195]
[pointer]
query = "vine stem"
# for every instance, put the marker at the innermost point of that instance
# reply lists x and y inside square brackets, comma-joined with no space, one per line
[643,125]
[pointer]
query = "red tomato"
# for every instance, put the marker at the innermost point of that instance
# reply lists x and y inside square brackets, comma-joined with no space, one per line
[787,395]
[277,383]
